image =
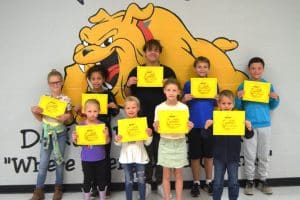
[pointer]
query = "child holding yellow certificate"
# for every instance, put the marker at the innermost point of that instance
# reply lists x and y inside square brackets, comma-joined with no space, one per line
[133,155]
[172,150]
[201,109]
[259,115]
[54,137]
[96,77]
[226,152]
[93,157]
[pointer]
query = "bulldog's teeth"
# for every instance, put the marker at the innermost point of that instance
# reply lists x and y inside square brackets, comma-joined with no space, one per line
[98,63]
[82,68]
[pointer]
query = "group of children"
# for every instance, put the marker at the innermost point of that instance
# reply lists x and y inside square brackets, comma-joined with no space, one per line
[162,155]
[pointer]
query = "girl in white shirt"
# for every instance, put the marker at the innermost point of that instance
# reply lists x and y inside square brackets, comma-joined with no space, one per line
[172,150]
[133,155]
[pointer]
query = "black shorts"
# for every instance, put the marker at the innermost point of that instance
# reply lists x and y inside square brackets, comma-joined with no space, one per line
[200,145]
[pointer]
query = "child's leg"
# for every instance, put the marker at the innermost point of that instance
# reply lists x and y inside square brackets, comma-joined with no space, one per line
[100,172]
[195,165]
[250,151]
[263,150]
[62,139]
[178,183]
[219,169]
[128,170]
[88,175]
[233,182]
[43,166]
[140,173]
[208,165]
[166,182]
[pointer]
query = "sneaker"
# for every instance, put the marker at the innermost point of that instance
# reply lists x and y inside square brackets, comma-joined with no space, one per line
[195,192]
[208,188]
[264,187]
[148,190]
[160,191]
[249,188]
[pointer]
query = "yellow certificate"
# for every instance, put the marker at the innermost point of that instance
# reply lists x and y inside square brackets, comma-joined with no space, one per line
[150,76]
[173,121]
[229,123]
[133,129]
[91,134]
[52,107]
[204,87]
[101,98]
[256,91]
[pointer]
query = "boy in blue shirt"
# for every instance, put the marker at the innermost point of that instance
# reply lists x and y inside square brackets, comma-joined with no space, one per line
[200,111]
[259,146]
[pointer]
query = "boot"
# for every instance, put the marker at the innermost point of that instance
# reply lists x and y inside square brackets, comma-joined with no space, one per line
[57,192]
[102,195]
[86,196]
[38,194]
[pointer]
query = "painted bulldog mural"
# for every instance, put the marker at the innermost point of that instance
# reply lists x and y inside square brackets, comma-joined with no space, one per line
[116,42]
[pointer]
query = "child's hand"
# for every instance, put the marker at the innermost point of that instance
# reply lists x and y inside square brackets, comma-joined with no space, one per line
[149,132]
[131,81]
[273,95]
[187,97]
[112,105]
[118,138]
[248,125]
[77,109]
[190,125]
[64,117]
[208,123]
[74,137]
[36,110]
[156,125]
[240,94]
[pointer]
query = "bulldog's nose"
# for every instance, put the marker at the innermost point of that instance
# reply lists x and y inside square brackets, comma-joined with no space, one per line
[86,51]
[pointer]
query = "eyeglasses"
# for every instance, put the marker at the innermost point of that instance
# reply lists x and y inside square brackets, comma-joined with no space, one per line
[55,83]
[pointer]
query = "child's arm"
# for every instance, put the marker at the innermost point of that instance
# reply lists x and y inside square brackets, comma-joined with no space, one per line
[248,130]
[131,81]
[117,140]
[156,125]
[149,132]
[186,98]
[74,137]
[106,135]
[190,125]
[67,117]
[113,108]
[274,99]
[37,112]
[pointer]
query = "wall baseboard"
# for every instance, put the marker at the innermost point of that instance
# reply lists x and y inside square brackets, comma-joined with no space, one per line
[275,182]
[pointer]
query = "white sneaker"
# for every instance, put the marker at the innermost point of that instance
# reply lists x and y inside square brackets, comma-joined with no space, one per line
[160,191]
[148,190]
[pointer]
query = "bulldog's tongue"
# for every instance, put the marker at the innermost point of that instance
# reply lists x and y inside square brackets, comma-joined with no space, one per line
[112,71]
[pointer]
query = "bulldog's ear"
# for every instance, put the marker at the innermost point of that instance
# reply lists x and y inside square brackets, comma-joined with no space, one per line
[134,12]
[100,17]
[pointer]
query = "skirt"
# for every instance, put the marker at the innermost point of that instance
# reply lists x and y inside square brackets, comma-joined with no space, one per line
[172,153]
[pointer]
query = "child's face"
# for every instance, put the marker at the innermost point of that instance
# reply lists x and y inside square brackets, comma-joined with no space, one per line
[202,69]
[171,91]
[131,109]
[55,83]
[225,103]
[152,54]
[97,80]
[91,110]
[256,70]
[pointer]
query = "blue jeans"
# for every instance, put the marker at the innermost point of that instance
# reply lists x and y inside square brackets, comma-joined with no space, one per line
[44,161]
[233,183]
[129,169]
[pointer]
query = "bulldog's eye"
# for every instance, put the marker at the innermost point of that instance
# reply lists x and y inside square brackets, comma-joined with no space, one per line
[107,42]
[85,43]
